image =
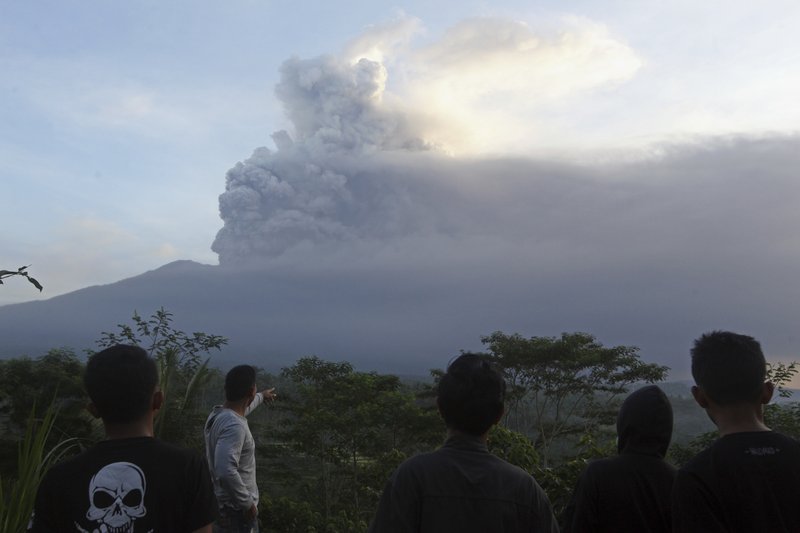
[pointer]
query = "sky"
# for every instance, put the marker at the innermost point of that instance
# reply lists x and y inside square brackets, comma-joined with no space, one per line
[606,140]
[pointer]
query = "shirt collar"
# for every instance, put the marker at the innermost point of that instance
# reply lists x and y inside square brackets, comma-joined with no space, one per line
[466,442]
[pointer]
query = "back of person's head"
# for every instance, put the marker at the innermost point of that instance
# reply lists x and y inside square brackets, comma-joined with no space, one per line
[239,381]
[471,394]
[120,381]
[730,368]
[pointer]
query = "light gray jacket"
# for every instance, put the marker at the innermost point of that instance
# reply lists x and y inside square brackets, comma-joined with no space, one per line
[230,451]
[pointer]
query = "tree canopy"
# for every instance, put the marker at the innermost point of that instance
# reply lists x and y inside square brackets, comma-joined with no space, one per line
[182,369]
[565,386]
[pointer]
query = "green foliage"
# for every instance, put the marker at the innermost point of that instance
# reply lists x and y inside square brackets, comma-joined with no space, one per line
[17,495]
[25,382]
[784,418]
[680,454]
[563,387]
[355,428]
[158,337]
[23,272]
[340,412]
[513,447]
[286,515]
[559,479]
[781,375]
[182,371]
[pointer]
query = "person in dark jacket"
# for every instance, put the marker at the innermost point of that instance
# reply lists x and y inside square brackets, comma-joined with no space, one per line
[461,487]
[631,491]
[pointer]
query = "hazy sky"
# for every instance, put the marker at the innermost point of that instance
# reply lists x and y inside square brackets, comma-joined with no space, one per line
[121,120]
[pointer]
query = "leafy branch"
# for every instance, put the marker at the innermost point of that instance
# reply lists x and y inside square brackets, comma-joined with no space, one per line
[21,271]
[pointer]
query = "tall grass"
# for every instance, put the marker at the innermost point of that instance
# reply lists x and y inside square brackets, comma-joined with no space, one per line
[33,459]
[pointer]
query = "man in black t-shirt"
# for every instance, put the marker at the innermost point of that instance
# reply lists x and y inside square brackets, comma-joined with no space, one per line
[749,479]
[130,482]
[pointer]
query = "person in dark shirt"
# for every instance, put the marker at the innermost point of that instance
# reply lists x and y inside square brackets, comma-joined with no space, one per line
[629,492]
[749,478]
[462,488]
[130,482]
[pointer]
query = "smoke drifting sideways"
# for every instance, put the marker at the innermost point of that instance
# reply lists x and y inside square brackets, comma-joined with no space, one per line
[650,251]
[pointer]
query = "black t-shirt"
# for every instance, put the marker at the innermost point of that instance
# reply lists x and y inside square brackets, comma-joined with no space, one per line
[139,485]
[743,482]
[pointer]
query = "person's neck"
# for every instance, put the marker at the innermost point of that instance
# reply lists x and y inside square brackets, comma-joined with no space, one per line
[238,407]
[738,419]
[140,428]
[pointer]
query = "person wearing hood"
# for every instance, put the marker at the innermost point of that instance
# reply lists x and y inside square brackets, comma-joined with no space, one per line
[631,491]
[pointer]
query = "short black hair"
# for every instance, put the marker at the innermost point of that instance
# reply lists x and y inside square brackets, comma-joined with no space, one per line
[238,382]
[729,367]
[471,394]
[120,381]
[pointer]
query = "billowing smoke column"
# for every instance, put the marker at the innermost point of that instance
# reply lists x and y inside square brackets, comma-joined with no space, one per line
[314,188]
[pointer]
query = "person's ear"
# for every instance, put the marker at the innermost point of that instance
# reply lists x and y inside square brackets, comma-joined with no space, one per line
[700,397]
[158,400]
[92,408]
[767,392]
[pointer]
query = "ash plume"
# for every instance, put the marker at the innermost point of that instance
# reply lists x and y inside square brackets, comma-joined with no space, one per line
[357,202]
[322,185]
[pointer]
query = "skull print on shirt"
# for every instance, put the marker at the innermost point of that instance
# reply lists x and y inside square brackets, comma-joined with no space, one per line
[116,498]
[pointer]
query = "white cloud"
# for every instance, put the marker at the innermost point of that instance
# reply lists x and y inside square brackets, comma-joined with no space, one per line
[384,42]
[478,87]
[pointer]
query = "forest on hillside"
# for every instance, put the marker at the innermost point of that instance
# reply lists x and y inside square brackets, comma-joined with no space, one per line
[327,446]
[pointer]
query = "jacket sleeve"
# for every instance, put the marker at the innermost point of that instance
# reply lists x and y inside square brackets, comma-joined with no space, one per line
[258,400]
[226,464]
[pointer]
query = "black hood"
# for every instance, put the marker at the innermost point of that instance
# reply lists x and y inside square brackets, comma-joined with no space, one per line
[644,423]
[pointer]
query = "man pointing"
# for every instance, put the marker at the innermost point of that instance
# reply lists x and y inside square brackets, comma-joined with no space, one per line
[230,451]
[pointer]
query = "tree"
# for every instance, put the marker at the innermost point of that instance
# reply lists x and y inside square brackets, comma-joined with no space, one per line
[513,447]
[25,382]
[182,371]
[56,378]
[21,271]
[358,426]
[559,388]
